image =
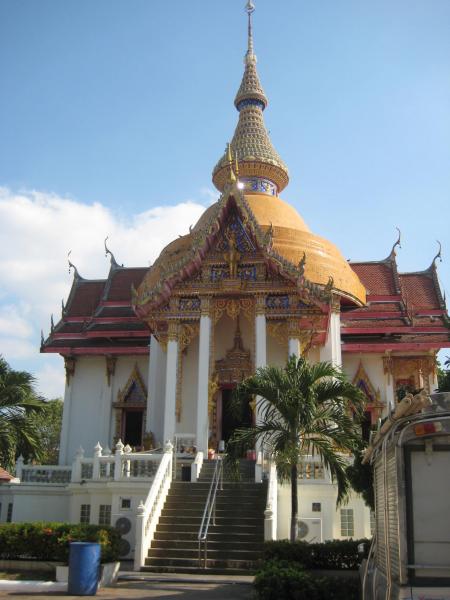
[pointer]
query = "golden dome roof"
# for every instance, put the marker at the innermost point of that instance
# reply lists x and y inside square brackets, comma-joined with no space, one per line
[291,238]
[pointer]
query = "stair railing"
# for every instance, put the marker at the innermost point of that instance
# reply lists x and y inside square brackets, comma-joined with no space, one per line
[210,510]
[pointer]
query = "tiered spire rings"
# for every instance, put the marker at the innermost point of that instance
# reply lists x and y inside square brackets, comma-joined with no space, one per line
[261,169]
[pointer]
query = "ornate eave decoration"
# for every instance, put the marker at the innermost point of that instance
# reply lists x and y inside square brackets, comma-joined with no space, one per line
[135,379]
[237,364]
[170,275]
[362,381]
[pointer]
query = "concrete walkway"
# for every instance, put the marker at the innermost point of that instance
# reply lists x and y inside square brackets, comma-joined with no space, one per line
[167,590]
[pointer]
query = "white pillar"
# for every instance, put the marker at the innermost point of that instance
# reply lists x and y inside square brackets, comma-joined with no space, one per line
[203,379]
[331,351]
[294,347]
[388,368]
[261,342]
[155,395]
[64,459]
[171,383]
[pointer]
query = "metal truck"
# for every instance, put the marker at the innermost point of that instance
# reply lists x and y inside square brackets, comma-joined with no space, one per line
[409,558]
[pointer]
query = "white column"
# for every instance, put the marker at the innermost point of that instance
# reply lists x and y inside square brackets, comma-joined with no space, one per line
[155,395]
[261,342]
[388,368]
[171,383]
[294,347]
[331,351]
[64,459]
[203,379]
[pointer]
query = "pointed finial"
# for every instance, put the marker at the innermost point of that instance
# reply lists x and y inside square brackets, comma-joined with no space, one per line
[52,324]
[230,163]
[236,165]
[438,255]
[42,338]
[397,243]
[63,307]
[72,266]
[108,251]
[250,9]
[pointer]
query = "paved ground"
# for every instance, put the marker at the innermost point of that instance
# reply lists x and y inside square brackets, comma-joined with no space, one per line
[142,590]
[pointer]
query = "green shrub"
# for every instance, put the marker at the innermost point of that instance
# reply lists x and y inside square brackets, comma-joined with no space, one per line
[50,541]
[283,580]
[334,554]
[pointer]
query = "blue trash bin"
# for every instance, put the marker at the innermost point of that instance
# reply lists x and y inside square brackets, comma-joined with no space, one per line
[84,568]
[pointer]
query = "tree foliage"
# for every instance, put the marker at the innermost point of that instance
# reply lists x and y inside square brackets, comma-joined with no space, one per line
[304,409]
[47,424]
[18,404]
[444,376]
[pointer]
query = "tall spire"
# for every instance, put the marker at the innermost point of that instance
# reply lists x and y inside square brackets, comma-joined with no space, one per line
[250,8]
[261,169]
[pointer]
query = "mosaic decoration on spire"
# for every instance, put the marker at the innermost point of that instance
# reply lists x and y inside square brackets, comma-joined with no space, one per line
[260,167]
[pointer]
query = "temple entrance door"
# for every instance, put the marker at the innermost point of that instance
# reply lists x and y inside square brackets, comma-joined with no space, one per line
[230,421]
[132,427]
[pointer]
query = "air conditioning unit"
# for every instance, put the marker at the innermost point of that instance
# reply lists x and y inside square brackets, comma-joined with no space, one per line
[124,523]
[310,530]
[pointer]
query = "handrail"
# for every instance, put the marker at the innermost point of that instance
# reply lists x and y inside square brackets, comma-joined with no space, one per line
[210,509]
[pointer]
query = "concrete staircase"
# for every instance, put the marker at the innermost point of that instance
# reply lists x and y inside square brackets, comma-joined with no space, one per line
[234,543]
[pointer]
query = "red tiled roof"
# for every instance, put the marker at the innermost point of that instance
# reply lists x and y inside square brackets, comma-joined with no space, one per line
[121,280]
[419,291]
[84,298]
[377,278]
[4,475]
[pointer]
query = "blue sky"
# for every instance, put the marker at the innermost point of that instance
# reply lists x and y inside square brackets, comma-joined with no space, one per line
[113,113]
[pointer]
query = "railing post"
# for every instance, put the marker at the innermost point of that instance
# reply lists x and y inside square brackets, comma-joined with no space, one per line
[127,450]
[76,465]
[19,467]
[118,461]
[96,462]
[107,452]
[140,535]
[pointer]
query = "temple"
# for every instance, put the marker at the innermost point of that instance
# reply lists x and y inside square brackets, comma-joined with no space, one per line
[152,353]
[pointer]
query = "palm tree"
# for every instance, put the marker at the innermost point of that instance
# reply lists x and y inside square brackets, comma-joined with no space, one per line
[303,409]
[18,401]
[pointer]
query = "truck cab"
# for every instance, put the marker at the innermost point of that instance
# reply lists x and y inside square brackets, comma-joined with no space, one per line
[409,558]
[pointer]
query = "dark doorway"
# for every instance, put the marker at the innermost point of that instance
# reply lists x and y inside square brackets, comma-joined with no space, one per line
[230,421]
[132,427]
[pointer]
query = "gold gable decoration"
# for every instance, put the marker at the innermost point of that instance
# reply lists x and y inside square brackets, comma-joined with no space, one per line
[134,392]
[361,381]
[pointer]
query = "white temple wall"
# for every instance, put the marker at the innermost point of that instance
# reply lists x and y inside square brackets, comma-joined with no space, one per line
[189,388]
[34,503]
[85,408]
[88,403]
[329,515]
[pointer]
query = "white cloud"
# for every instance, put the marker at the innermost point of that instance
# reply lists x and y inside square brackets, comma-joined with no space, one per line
[38,229]
[50,380]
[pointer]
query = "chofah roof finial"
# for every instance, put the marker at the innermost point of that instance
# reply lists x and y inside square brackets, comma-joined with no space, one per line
[114,263]
[438,255]
[72,266]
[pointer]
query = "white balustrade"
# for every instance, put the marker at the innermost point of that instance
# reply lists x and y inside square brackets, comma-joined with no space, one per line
[270,513]
[43,474]
[124,465]
[196,466]
[148,512]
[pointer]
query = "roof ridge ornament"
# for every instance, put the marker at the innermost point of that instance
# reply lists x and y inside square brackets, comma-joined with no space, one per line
[397,243]
[114,263]
[72,266]
[438,256]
